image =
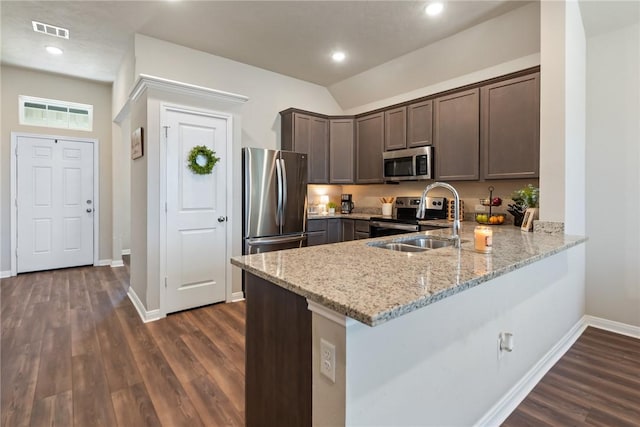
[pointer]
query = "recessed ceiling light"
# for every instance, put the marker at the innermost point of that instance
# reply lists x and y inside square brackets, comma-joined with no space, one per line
[54,50]
[338,56]
[434,9]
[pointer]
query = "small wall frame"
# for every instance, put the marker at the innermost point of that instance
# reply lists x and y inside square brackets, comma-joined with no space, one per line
[137,144]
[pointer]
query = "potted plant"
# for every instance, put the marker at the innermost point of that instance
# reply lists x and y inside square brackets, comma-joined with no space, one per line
[526,197]
[332,208]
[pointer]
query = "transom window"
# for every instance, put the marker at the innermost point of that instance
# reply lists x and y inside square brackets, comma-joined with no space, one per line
[55,114]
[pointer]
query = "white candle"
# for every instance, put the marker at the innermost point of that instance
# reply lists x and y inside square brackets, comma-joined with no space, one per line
[483,239]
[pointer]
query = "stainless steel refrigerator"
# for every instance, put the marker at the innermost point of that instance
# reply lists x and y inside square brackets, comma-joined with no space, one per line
[274,202]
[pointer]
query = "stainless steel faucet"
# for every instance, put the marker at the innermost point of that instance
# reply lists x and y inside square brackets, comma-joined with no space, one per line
[422,207]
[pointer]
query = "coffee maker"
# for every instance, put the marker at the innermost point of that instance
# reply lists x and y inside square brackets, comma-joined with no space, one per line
[347,204]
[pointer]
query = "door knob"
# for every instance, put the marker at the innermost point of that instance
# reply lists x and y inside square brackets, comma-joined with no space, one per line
[89,210]
[222,218]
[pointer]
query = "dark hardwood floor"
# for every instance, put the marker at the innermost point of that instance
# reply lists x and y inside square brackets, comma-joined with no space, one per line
[75,353]
[596,383]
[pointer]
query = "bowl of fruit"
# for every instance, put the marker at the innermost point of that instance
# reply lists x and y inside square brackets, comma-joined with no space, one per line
[492,201]
[493,219]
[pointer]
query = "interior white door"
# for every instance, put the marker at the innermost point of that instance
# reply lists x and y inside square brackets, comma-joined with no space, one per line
[196,250]
[54,203]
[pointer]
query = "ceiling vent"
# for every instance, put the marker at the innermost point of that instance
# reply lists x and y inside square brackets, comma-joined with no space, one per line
[50,30]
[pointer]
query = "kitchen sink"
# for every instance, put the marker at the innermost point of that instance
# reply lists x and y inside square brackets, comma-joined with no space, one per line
[401,247]
[416,244]
[429,243]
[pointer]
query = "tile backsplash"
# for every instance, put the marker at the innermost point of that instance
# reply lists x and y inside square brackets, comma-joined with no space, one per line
[367,196]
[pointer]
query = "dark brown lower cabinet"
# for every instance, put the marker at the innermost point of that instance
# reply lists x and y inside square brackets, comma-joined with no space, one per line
[348,230]
[316,232]
[330,230]
[361,229]
[278,378]
[334,230]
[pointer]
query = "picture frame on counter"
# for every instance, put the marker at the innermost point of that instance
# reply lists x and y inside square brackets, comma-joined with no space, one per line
[527,222]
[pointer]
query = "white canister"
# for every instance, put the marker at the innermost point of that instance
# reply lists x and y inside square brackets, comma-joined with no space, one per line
[387,209]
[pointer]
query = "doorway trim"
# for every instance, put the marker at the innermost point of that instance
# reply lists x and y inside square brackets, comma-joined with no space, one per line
[14,192]
[165,107]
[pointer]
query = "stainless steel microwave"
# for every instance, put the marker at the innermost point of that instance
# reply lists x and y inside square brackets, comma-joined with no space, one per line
[407,165]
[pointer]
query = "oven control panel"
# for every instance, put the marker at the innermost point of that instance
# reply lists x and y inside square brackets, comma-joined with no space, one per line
[437,203]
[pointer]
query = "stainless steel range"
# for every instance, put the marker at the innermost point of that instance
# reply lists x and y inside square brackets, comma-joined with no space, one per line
[404,218]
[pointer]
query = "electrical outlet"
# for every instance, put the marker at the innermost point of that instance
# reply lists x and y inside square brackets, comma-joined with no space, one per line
[505,343]
[328,360]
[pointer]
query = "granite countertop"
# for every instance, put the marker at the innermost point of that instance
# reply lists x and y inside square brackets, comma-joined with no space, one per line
[375,285]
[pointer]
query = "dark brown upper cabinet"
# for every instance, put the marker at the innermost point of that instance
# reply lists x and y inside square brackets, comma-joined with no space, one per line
[456,138]
[420,124]
[395,129]
[308,134]
[342,151]
[510,128]
[369,148]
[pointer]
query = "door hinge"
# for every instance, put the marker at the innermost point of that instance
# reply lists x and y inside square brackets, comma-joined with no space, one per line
[16,252]
[165,283]
[165,207]
[15,202]
[166,131]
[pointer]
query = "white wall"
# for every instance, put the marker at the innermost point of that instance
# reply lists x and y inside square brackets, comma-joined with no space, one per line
[552,111]
[507,39]
[268,94]
[575,138]
[439,365]
[613,164]
[20,81]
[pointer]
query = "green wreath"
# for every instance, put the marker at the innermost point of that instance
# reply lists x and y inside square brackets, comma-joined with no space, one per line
[202,160]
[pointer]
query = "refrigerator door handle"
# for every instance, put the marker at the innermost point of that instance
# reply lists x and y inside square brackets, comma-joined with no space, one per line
[279,202]
[275,240]
[284,190]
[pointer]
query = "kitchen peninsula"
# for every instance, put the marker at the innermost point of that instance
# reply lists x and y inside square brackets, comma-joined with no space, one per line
[411,337]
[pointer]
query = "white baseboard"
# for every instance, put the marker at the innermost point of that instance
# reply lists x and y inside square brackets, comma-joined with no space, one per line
[126,252]
[118,263]
[510,401]
[103,262]
[145,315]
[237,296]
[613,326]
[5,274]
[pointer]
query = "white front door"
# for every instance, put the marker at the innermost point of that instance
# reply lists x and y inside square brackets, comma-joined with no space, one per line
[54,203]
[196,253]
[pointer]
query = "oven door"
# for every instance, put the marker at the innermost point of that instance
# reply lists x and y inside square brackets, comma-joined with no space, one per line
[382,228]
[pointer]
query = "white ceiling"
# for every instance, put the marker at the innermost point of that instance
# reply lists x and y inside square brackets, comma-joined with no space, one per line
[294,38]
